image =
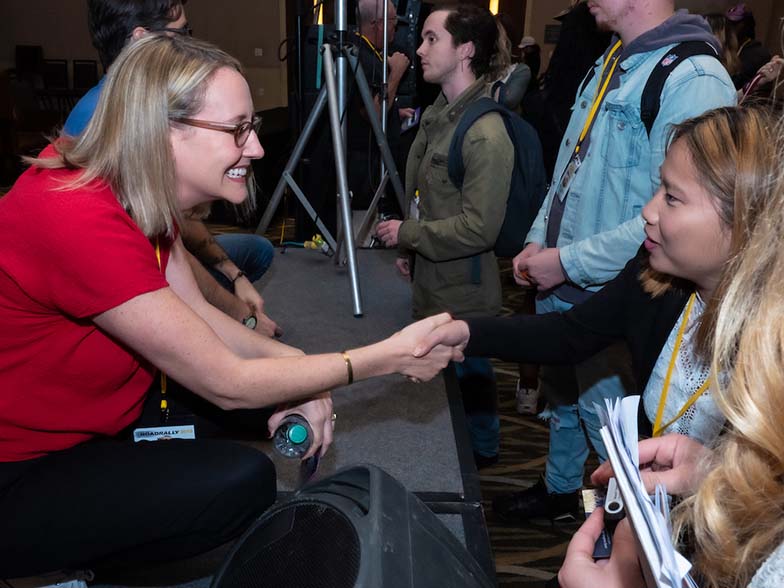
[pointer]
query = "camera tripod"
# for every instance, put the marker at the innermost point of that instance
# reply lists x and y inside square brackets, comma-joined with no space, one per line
[333,95]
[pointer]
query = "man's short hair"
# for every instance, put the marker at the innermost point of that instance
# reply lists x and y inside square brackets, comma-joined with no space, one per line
[111,22]
[370,10]
[469,23]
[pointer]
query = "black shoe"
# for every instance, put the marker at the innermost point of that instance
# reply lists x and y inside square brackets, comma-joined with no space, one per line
[484,461]
[536,503]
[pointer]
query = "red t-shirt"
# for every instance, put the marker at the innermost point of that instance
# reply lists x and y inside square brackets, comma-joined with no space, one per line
[65,257]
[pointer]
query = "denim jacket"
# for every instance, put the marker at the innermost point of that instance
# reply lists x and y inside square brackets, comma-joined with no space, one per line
[602,226]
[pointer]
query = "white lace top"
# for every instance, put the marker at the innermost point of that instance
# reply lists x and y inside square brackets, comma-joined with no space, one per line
[703,420]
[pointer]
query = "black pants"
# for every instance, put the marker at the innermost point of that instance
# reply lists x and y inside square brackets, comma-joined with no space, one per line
[115,501]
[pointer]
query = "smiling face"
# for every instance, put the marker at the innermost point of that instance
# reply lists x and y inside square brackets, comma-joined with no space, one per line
[439,57]
[209,165]
[686,237]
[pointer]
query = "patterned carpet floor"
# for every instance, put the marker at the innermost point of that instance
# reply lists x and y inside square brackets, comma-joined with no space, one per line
[525,556]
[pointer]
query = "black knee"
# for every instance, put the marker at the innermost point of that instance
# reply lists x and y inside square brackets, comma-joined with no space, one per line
[247,487]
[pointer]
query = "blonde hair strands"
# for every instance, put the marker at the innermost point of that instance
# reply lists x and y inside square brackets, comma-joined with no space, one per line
[126,144]
[736,515]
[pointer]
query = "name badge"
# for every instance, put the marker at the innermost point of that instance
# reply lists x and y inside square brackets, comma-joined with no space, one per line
[164,433]
[413,211]
[568,176]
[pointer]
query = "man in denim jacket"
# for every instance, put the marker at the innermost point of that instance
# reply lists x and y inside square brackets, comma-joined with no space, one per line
[590,223]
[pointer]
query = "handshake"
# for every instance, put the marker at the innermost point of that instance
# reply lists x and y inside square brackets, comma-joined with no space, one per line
[422,349]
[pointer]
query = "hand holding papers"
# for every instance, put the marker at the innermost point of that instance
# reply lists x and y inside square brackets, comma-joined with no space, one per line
[663,566]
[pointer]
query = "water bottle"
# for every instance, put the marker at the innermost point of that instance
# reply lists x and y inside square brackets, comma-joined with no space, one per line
[293,436]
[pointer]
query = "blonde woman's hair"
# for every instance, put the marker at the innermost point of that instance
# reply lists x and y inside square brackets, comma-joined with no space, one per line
[127,144]
[730,150]
[736,516]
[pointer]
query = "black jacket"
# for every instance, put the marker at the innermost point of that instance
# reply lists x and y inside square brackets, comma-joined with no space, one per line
[621,310]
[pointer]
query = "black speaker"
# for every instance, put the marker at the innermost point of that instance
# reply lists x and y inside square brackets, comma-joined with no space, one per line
[357,528]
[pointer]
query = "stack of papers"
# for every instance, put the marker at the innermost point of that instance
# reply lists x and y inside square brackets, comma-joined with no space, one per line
[662,565]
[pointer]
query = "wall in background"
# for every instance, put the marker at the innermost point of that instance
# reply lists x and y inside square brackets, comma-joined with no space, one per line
[251,30]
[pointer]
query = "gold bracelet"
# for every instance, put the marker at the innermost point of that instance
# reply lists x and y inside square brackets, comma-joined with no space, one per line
[349,368]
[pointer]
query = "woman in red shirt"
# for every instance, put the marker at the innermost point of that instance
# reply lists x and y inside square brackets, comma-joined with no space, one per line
[96,296]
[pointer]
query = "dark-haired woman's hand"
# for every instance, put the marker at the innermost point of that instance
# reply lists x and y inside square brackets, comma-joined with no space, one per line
[673,461]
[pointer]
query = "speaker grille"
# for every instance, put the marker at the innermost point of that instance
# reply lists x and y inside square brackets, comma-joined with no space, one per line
[303,545]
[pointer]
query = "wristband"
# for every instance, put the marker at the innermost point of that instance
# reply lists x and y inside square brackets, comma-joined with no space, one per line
[349,368]
[238,276]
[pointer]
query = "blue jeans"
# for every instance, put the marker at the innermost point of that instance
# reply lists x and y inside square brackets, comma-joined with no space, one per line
[477,387]
[251,253]
[608,374]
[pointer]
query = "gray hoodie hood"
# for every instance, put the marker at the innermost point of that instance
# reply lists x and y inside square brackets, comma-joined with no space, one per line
[680,27]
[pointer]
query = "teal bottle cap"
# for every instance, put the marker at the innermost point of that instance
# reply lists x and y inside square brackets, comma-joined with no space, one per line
[297,434]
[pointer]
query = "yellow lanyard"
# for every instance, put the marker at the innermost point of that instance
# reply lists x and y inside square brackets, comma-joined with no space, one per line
[602,86]
[657,426]
[164,402]
[742,47]
[372,47]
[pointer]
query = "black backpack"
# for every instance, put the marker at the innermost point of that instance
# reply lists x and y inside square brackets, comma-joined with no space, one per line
[529,184]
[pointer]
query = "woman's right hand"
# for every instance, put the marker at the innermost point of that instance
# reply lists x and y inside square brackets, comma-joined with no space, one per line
[451,333]
[771,70]
[672,460]
[422,362]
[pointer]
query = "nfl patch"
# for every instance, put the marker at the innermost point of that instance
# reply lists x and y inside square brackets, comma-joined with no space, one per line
[668,61]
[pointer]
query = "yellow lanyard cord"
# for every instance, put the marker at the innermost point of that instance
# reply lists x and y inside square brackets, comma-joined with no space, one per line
[743,46]
[603,84]
[657,426]
[372,47]
[164,402]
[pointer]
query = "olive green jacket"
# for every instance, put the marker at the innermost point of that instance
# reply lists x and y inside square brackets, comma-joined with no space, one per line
[456,225]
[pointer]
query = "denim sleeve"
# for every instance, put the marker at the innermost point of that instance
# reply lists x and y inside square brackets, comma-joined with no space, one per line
[598,259]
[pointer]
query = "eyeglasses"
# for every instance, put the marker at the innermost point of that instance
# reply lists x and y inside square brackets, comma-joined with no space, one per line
[185,31]
[240,131]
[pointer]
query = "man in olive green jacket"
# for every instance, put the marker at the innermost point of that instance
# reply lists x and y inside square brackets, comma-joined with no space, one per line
[449,229]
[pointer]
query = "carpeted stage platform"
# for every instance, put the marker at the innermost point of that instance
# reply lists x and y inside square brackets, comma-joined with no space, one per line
[416,432]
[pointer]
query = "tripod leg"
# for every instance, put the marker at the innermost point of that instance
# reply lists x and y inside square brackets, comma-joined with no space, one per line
[338,145]
[370,108]
[286,177]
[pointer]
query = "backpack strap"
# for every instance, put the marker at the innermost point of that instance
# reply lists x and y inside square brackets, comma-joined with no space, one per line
[476,110]
[456,166]
[500,87]
[650,102]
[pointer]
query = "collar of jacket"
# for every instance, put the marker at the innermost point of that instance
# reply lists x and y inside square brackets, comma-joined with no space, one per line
[451,111]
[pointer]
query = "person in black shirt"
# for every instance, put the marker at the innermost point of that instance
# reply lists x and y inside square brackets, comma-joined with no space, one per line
[364,156]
